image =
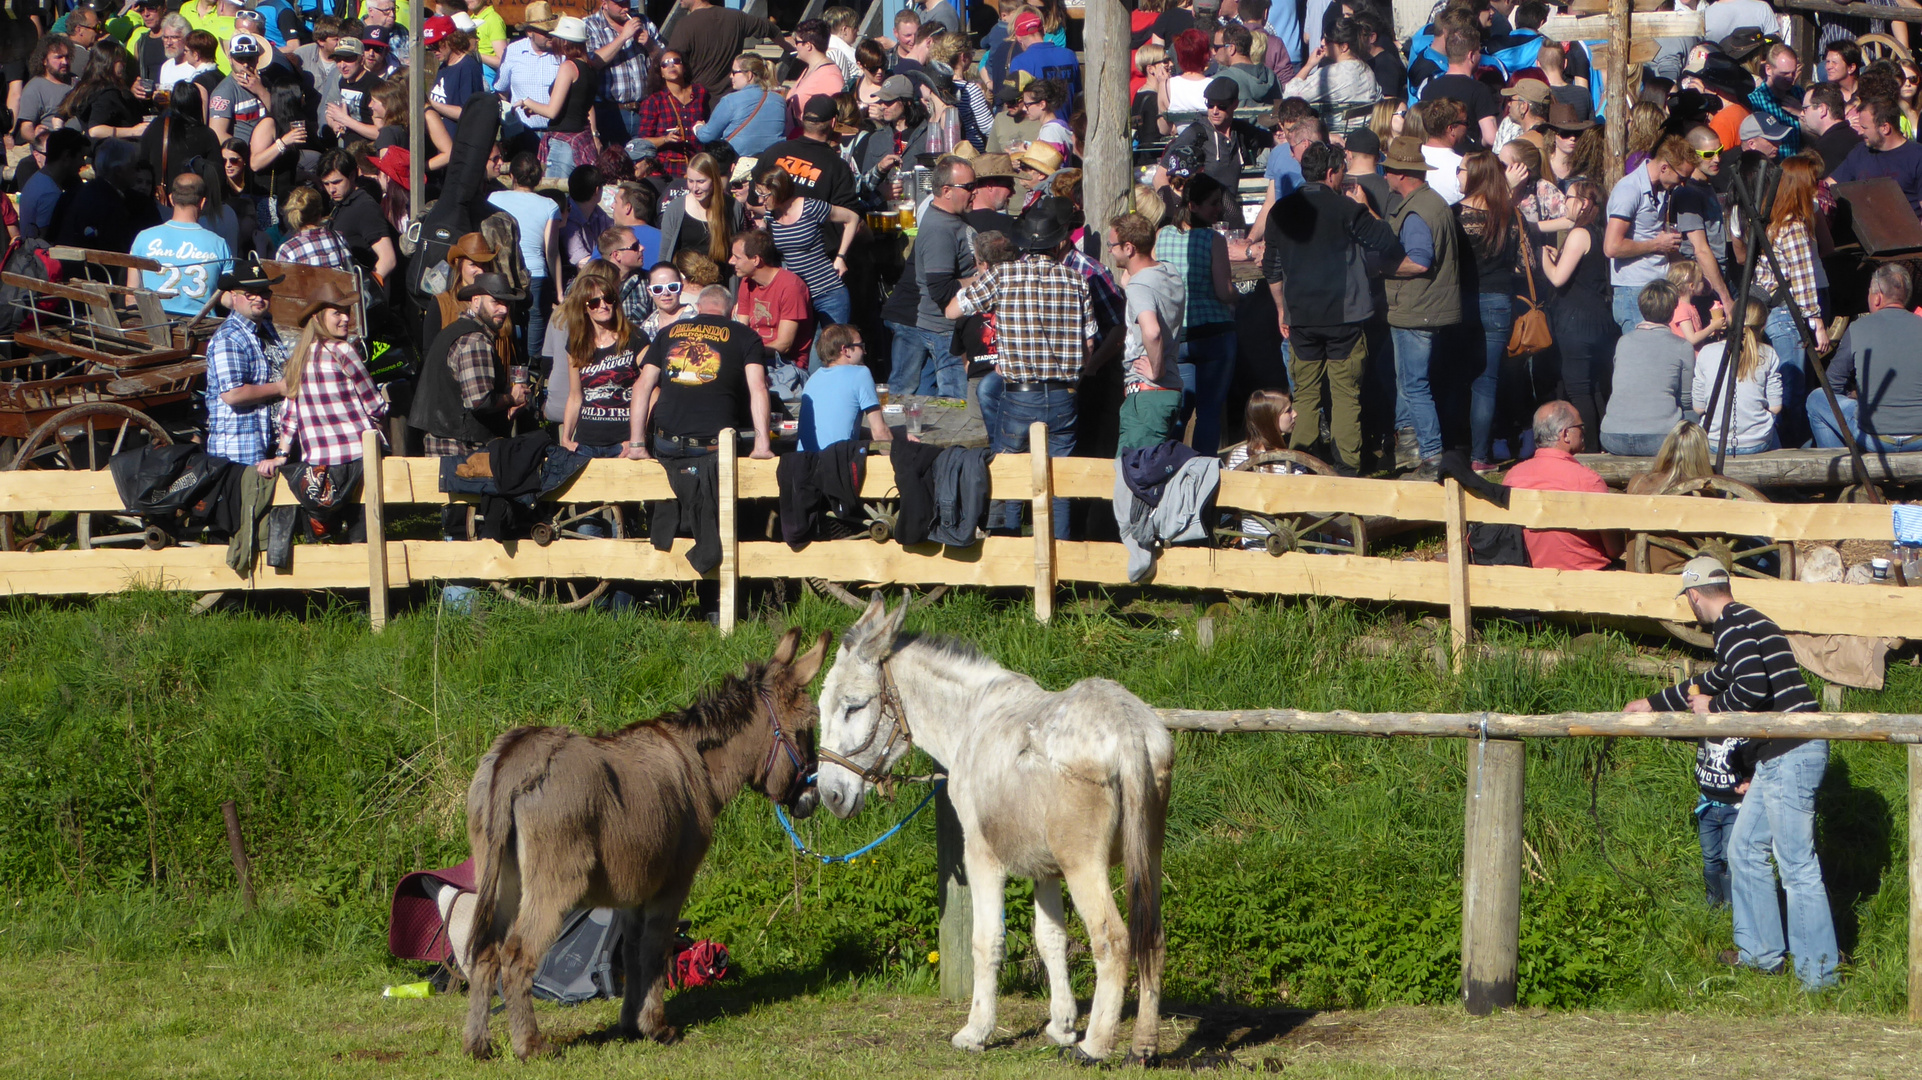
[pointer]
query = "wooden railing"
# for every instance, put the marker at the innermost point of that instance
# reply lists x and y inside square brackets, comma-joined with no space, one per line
[1036,563]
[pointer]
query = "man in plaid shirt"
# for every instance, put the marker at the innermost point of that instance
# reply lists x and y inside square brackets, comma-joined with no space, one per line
[625,40]
[1046,331]
[244,360]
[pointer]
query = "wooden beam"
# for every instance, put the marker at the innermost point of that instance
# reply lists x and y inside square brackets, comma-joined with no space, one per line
[1777,468]
[1492,875]
[1894,14]
[1852,727]
[997,562]
[956,938]
[1041,492]
[1458,561]
[727,486]
[371,490]
[1107,177]
[1620,33]
[1915,884]
[1648,26]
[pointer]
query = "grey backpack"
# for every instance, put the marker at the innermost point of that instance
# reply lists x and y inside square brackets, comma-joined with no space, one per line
[585,962]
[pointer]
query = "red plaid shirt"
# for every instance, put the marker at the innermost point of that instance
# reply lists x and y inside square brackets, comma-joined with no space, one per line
[660,114]
[337,401]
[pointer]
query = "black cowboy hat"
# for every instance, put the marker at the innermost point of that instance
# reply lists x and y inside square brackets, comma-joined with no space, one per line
[1040,229]
[494,285]
[247,276]
[1726,78]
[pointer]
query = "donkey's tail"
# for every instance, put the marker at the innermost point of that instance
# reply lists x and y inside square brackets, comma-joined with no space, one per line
[1144,813]
[490,832]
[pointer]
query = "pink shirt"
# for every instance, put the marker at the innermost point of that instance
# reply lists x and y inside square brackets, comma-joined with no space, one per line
[1552,469]
[1686,319]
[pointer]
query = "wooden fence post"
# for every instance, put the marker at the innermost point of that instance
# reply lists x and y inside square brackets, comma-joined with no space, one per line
[1457,525]
[1492,875]
[956,941]
[237,849]
[728,487]
[373,498]
[1043,522]
[1915,883]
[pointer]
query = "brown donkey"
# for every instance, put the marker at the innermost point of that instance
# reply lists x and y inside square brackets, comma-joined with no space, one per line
[559,821]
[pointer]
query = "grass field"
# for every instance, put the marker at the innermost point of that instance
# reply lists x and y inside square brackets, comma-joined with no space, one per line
[1303,872]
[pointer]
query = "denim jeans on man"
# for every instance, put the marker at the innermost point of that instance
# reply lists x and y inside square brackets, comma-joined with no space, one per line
[923,365]
[1207,367]
[1829,437]
[1713,823]
[1053,406]
[1778,817]
[1497,318]
[1414,395]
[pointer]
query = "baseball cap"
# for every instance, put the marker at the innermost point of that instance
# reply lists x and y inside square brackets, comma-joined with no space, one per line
[244,46]
[1762,125]
[347,49]
[1027,23]
[437,28]
[1702,570]
[1528,90]
[898,88]
[1222,90]
[820,108]
[463,21]
[1364,141]
[377,37]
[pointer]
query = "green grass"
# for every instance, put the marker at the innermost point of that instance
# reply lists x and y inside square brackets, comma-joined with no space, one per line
[1313,871]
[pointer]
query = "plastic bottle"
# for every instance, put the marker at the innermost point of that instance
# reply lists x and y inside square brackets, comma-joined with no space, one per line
[409,990]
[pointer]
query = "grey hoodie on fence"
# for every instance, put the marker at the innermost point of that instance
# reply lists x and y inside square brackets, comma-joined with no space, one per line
[1179,519]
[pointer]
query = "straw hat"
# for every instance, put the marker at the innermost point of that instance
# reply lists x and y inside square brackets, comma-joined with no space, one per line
[1042,158]
[539,16]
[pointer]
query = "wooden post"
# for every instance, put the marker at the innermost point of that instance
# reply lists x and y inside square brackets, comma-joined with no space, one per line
[1492,875]
[956,940]
[1043,522]
[1205,634]
[416,110]
[242,871]
[373,497]
[1106,180]
[728,487]
[1457,525]
[1620,40]
[1915,883]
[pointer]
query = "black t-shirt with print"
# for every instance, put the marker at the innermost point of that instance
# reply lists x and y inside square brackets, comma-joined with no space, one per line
[607,389]
[356,93]
[703,364]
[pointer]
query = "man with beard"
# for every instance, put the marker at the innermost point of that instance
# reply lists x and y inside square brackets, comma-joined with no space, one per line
[464,398]
[52,68]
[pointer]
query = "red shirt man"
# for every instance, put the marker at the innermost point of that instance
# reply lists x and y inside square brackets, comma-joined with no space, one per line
[772,300]
[1558,438]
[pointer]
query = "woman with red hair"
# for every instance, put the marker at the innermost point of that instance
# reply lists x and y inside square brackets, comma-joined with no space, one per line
[1186,91]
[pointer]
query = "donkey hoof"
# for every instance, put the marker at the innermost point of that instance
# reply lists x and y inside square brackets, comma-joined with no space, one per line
[1147,1060]
[1075,1055]
[1060,1034]
[479,1050]
[966,1040]
[665,1035]
[535,1050]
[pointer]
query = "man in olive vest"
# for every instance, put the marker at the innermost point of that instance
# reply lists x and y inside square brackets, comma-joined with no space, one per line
[465,398]
[1424,293]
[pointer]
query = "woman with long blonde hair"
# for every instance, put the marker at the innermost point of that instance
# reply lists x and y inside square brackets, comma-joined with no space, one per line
[1758,388]
[331,397]
[1390,119]
[699,214]
[1684,455]
[603,363]
[1645,122]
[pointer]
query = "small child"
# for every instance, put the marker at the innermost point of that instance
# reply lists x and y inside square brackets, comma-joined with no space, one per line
[1758,388]
[1687,278]
[1722,775]
[1268,419]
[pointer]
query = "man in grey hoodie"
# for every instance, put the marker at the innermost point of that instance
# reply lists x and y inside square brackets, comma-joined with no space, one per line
[1232,42]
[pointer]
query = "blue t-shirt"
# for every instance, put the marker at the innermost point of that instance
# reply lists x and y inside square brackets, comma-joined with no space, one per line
[833,403]
[1283,171]
[192,258]
[38,197]
[456,84]
[532,211]
[1047,61]
[1903,164]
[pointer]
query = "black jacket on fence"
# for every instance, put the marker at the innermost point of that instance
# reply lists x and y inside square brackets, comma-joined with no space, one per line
[695,509]
[824,481]
[914,478]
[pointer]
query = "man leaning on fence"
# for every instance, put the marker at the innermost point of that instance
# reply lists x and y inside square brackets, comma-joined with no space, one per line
[244,360]
[1755,672]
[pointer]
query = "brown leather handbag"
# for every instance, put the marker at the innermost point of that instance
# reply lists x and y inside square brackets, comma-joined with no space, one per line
[1530,333]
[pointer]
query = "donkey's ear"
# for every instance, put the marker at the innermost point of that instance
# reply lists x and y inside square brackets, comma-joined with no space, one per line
[895,620]
[784,652]
[867,627]
[808,666]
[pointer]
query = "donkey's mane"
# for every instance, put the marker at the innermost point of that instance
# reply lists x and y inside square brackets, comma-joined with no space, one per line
[719,714]
[949,648]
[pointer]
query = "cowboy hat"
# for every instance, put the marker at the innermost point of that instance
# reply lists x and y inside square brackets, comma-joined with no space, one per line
[247,276]
[1404,155]
[539,16]
[1039,230]
[1042,158]
[569,28]
[1563,117]
[993,167]
[494,285]
[472,246]
[327,295]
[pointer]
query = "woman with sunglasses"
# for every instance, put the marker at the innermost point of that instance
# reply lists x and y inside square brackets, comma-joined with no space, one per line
[668,290]
[667,117]
[241,194]
[795,223]
[603,362]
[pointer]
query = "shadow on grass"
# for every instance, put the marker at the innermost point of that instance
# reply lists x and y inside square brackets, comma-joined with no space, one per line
[1855,841]
[1222,1030]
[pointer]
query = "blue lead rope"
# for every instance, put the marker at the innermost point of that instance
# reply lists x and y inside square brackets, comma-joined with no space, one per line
[780,815]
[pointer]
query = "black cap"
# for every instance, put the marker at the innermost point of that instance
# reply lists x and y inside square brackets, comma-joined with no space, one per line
[494,285]
[247,276]
[1222,89]
[1364,141]
[820,108]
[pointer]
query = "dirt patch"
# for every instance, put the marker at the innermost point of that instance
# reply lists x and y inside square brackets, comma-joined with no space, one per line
[382,1057]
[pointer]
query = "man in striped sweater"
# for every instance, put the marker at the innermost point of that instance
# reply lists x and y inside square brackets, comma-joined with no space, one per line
[1756,672]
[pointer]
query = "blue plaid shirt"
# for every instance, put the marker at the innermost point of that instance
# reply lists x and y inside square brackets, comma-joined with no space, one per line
[1110,307]
[626,80]
[242,353]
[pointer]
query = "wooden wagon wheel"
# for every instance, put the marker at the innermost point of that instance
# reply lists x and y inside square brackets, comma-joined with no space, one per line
[1332,533]
[851,594]
[571,521]
[83,438]
[1881,47]
[1744,556]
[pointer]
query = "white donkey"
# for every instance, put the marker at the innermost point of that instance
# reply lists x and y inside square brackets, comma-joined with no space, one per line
[1046,785]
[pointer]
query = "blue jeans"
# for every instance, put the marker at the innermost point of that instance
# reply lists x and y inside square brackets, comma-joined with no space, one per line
[1778,818]
[1829,437]
[1628,307]
[1497,317]
[987,393]
[1414,397]
[1207,370]
[1787,343]
[1632,445]
[1054,407]
[536,327]
[833,307]
[1773,442]
[560,159]
[1713,823]
[617,125]
[923,365]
